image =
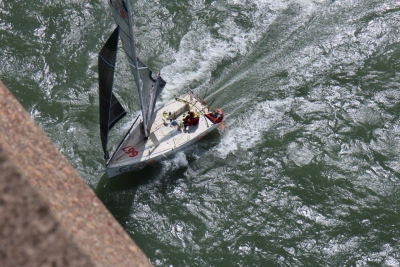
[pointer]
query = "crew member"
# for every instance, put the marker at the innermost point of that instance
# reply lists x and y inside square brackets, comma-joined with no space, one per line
[192,118]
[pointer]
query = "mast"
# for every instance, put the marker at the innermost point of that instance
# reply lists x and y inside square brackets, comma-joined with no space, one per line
[123,18]
[148,83]
[139,82]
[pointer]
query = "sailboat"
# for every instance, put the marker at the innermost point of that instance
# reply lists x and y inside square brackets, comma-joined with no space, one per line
[155,133]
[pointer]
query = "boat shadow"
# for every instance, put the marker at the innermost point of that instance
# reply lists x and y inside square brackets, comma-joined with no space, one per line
[118,193]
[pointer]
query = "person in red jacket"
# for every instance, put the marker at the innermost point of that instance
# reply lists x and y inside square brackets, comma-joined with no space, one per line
[216,116]
[192,118]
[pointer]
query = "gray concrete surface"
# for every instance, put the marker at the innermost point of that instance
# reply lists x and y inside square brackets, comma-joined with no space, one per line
[48,215]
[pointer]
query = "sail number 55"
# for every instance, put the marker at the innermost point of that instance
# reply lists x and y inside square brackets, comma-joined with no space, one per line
[130,150]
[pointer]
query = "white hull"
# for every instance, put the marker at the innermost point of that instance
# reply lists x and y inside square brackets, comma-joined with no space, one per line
[165,139]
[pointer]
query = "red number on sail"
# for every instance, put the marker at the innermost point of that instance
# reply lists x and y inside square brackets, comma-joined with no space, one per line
[122,14]
[130,150]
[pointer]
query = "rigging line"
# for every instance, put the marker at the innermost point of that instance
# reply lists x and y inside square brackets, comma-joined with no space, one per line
[196,95]
[130,64]
[129,56]
[187,102]
[206,120]
[123,139]
[106,61]
[118,118]
[208,88]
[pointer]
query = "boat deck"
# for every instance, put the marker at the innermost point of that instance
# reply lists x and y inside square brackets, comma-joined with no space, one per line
[165,138]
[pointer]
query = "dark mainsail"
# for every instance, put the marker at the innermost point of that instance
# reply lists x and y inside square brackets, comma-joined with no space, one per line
[111,110]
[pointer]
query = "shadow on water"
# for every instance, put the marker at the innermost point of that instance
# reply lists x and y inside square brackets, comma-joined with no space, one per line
[118,193]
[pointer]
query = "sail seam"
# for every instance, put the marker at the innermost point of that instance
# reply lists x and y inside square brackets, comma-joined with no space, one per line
[126,35]
[108,63]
